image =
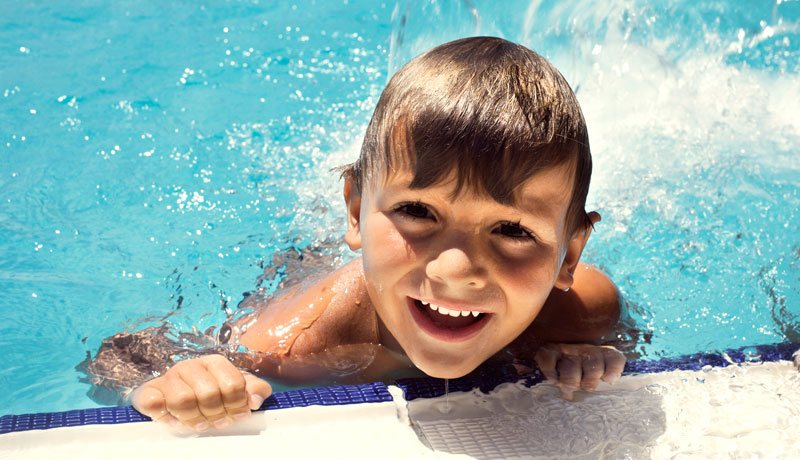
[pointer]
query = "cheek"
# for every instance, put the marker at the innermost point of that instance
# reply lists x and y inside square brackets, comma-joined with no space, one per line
[531,278]
[383,246]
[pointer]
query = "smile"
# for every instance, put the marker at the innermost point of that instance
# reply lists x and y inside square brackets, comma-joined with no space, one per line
[447,324]
[453,313]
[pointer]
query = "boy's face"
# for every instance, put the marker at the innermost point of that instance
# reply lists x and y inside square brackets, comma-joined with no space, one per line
[487,267]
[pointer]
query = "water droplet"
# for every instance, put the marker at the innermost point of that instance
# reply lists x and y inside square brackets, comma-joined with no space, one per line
[446,396]
[656,389]
[752,355]
[442,407]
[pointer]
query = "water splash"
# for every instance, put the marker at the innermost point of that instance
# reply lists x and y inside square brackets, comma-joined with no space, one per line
[693,101]
[446,396]
[444,407]
[752,355]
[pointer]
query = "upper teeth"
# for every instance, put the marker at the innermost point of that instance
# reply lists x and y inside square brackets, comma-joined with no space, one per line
[453,313]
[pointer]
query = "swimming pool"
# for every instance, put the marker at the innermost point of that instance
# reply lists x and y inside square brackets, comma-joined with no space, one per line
[156,156]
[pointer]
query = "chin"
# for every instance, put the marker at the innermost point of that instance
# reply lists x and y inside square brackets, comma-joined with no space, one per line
[438,370]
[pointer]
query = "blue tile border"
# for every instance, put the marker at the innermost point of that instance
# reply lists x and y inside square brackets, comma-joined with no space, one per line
[485,378]
[43,421]
[324,396]
[488,376]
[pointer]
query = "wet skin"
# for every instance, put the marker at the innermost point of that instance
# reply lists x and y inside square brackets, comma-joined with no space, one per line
[509,265]
[465,253]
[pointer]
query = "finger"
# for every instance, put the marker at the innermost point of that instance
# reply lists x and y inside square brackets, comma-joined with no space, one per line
[150,401]
[614,364]
[232,388]
[546,361]
[168,419]
[206,393]
[593,368]
[257,390]
[569,375]
[181,401]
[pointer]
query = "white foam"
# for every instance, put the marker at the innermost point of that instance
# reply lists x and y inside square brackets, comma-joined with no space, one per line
[735,412]
[654,120]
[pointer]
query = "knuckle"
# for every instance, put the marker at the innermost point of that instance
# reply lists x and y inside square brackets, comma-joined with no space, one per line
[207,397]
[591,355]
[568,348]
[232,386]
[182,400]
[570,377]
[589,384]
[592,365]
[215,415]
[545,354]
[215,359]
[611,351]
[179,365]
[590,379]
[572,382]
[151,402]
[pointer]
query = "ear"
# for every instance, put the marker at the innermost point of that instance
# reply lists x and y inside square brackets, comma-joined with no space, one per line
[352,199]
[566,276]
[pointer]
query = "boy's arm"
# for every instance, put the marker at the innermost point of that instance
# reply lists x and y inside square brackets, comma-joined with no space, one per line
[331,311]
[584,314]
[211,391]
[567,333]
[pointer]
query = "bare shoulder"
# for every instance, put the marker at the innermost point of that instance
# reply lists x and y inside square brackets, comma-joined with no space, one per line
[329,311]
[587,312]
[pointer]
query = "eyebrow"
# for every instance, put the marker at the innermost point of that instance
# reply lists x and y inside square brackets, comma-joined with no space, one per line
[538,206]
[547,201]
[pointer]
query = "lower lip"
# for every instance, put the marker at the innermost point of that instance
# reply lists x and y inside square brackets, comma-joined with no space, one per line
[445,334]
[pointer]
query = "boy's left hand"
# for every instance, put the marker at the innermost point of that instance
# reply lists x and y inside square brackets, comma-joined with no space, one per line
[579,366]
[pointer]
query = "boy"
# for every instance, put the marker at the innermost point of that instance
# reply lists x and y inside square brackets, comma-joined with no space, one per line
[467,202]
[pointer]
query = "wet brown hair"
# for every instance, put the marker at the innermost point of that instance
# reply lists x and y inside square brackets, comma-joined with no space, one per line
[494,111]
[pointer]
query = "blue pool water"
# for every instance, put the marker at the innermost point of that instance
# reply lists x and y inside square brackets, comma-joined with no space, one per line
[155,155]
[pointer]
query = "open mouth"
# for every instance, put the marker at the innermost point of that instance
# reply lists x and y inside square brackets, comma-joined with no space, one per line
[447,324]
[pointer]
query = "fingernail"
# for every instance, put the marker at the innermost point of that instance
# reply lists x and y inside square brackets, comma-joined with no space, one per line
[571,387]
[256,401]
[241,415]
[611,379]
[202,426]
[173,421]
[222,423]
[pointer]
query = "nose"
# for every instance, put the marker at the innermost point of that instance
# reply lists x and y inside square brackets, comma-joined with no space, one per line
[454,267]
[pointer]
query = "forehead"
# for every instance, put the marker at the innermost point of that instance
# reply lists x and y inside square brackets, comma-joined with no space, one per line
[549,191]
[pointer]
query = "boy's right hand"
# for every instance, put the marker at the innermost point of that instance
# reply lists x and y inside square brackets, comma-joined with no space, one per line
[200,393]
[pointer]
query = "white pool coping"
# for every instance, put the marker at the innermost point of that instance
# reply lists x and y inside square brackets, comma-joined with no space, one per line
[733,412]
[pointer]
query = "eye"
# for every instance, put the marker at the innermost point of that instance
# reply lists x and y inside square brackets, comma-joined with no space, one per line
[515,232]
[414,210]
